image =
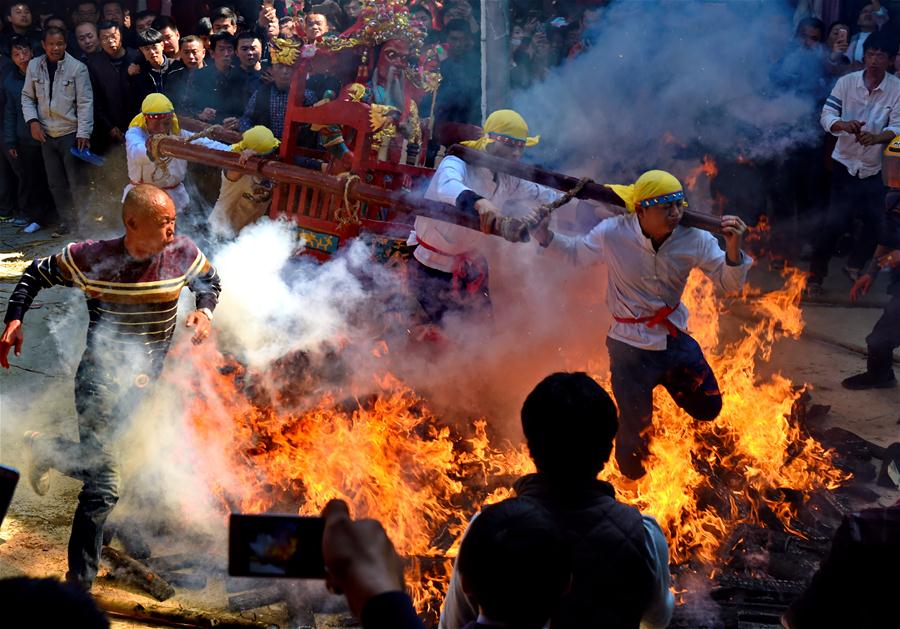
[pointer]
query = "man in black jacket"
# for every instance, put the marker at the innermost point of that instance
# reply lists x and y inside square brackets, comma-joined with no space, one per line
[115,103]
[155,71]
[621,571]
[218,93]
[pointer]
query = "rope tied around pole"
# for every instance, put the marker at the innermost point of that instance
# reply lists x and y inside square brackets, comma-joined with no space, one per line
[542,211]
[162,161]
[348,214]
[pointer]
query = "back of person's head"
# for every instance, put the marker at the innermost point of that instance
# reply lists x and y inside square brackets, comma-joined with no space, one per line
[149,37]
[163,22]
[569,423]
[48,603]
[203,27]
[883,41]
[516,562]
[810,22]
[457,25]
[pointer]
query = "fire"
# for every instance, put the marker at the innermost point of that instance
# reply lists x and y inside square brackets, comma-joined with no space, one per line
[707,167]
[391,459]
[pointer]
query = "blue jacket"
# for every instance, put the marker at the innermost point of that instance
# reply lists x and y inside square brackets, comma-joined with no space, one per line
[15,132]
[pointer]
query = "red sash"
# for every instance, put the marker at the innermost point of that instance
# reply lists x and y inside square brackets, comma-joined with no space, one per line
[660,317]
[461,261]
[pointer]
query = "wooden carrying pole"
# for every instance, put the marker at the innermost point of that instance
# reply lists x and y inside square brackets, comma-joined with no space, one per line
[558,181]
[402,202]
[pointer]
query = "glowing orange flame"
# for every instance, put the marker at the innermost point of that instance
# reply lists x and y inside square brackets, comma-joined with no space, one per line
[391,459]
[707,167]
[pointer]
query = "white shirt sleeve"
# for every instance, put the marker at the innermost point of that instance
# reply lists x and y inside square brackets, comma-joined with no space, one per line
[449,181]
[136,151]
[833,107]
[29,97]
[580,250]
[712,261]
[660,611]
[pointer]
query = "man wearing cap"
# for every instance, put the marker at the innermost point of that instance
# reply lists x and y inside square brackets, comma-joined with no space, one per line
[243,198]
[448,272]
[649,256]
[132,286]
[885,336]
[158,117]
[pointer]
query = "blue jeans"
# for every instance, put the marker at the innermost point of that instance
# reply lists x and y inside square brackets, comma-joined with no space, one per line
[104,405]
[681,368]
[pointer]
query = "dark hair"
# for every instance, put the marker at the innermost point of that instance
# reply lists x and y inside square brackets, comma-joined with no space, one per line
[882,41]
[9,7]
[17,41]
[811,22]
[204,26]
[215,38]
[48,603]
[116,2]
[149,37]
[569,423]
[164,21]
[246,35]
[78,3]
[53,30]
[223,12]
[457,24]
[189,39]
[140,15]
[516,562]
[105,25]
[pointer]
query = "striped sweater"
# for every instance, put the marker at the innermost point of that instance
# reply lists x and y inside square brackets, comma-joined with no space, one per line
[132,303]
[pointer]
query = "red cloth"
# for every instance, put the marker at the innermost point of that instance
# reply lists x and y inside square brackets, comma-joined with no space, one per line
[472,283]
[661,316]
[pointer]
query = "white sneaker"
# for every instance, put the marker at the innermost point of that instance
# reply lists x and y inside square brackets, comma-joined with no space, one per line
[31,228]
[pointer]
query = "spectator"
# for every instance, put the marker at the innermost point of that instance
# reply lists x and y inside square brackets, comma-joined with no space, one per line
[219,93]
[58,105]
[361,562]
[86,12]
[249,53]
[353,7]
[621,572]
[19,17]
[838,44]
[267,106]
[113,11]
[224,19]
[143,20]
[153,72]
[863,111]
[192,55]
[462,70]
[23,152]
[287,28]
[203,29]
[88,41]
[871,18]
[317,25]
[170,36]
[115,103]
[516,564]
[48,603]
[55,21]
[268,28]
[460,10]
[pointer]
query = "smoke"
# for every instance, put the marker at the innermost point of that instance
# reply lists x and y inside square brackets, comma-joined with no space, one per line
[721,77]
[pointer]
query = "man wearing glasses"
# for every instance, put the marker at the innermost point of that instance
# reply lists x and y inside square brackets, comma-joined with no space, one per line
[649,256]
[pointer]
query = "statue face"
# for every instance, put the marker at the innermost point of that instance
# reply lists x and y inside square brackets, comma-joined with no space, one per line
[394,54]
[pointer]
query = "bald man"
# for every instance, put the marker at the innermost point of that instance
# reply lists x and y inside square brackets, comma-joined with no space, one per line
[131,285]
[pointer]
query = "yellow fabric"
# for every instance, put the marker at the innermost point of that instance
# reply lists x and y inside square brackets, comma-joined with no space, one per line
[258,139]
[156,103]
[651,184]
[504,122]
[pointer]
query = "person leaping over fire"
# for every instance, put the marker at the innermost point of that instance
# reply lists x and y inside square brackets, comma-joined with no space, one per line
[447,271]
[649,256]
[158,117]
[131,285]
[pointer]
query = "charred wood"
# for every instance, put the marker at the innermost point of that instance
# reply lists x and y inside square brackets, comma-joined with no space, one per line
[255,598]
[165,616]
[133,572]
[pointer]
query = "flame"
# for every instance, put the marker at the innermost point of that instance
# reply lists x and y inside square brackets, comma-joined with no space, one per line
[391,459]
[707,167]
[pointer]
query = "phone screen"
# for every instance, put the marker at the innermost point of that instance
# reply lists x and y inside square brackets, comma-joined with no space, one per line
[9,477]
[275,546]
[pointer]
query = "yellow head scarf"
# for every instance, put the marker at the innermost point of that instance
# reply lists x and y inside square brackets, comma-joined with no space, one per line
[156,104]
[654,187]
[503,125]
[258,139]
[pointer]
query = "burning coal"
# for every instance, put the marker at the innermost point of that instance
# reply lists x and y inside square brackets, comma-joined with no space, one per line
[390,457]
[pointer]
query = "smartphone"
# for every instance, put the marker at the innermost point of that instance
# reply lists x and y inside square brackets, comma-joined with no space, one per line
[9,478]
[287,546]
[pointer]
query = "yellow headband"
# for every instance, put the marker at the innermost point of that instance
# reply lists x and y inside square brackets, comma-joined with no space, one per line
[504,125]
[153,105]
[257,139]
[654,187]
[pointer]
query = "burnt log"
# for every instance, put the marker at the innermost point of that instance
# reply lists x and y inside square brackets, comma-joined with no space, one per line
[133,572]
[172,617]
[255,598]
[185,580]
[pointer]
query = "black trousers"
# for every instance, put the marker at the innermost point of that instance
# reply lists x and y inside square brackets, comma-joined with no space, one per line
[851,198]
[885,338]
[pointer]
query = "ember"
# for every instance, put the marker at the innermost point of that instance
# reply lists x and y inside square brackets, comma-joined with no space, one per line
[392,459]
